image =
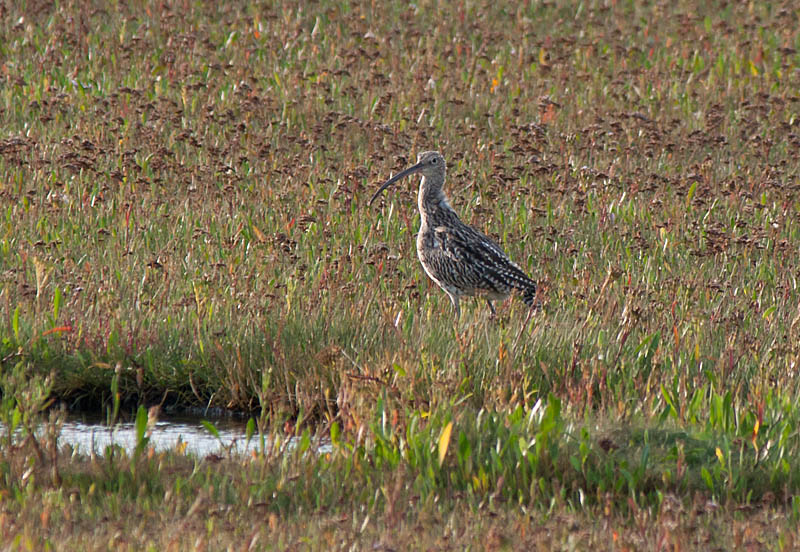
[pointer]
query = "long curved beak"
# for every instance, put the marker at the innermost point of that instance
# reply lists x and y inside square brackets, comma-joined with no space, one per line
[395,178]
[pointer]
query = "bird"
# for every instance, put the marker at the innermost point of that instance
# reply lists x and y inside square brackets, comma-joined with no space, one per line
[458,258]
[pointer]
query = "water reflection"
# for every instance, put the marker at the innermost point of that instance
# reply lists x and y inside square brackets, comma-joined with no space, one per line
[87,434]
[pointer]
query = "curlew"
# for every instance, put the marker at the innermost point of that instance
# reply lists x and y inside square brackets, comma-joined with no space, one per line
[459,258]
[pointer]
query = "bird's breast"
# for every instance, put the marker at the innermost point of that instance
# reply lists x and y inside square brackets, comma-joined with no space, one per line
[432,239]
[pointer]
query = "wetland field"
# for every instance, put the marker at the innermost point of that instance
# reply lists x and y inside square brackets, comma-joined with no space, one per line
[184,225]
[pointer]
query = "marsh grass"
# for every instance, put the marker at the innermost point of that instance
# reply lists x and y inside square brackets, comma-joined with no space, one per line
[184,221]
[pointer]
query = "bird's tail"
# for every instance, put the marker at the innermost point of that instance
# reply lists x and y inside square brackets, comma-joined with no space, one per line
[529,296]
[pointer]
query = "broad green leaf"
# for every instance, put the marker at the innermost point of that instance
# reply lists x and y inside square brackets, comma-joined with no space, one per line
[210,428]
[250,429]
[335,432]
[15,323]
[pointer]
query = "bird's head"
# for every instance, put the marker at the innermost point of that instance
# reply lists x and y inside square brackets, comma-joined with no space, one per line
[429,163]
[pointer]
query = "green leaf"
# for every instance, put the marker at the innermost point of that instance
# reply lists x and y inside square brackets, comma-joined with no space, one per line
[669,400]
[691,192]
[706,476]
[250,429]
[15,324]
[305,440]
[114,413]
[211,428]
[57,300]
[16,418]
[335,433]
[140,431]
[464,447]
[140,426]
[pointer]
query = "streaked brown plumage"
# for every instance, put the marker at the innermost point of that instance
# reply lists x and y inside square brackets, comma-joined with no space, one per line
[459,258]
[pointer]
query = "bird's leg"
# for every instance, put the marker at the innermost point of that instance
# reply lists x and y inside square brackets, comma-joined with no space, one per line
[491,308]
[456,307]
[531,312]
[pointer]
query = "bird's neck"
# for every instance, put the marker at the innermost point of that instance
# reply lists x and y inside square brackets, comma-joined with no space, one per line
[432,201]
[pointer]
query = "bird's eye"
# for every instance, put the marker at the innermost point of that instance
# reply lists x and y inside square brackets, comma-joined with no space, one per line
[434,161]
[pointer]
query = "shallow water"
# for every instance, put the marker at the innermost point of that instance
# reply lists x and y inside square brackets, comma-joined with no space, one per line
[87,434]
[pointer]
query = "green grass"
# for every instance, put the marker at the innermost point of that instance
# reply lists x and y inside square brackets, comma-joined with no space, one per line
[184,219]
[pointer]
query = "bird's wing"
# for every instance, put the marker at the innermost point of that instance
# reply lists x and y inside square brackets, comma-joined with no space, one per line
[480,259]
